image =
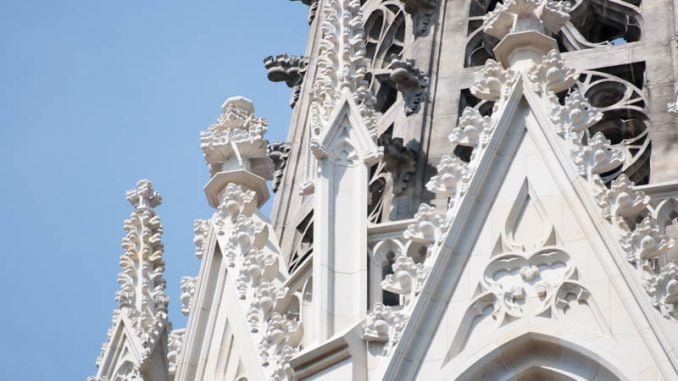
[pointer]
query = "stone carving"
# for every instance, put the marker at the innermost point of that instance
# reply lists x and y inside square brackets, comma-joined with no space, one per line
[278,153]
[200,228]
[551,75]
[384,325]
[410,81]
[187,293]
[525,284]
[493,81]
[520,15]
[235,200]
[244,234]
[423,13]
[663,290]
[236,140]
[452,178]
[277,346]
[257,266]
[473,129]
[288,69]
[621,204]
[399,160]
[407,278]
[647,241]
[342,64]
[175,341]
[267,298]
[596,157]
[246,247]
[142,285]
[428,227]
[575,117]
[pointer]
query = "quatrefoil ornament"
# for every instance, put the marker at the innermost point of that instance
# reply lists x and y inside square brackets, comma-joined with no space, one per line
[527,283]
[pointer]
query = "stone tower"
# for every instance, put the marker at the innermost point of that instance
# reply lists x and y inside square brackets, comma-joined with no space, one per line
[469,190]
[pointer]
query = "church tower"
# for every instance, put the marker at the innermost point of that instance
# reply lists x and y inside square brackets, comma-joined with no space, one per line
[470,190]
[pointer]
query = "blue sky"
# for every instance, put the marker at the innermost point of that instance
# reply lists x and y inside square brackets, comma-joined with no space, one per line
[95,95]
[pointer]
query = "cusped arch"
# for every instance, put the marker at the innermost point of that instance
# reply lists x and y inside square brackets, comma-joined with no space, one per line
[532,355]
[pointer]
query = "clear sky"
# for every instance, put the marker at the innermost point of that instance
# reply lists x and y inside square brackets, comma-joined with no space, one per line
[95,95]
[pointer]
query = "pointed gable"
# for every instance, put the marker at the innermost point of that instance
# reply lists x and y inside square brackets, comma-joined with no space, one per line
[529,278]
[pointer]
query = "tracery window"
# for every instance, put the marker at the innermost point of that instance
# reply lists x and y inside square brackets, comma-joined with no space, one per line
[386,29]
[302,244]
[617,92]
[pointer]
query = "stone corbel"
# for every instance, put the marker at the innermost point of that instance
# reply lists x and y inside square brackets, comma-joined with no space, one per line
[288,69]
[410,81]
[400,161]
[423,13]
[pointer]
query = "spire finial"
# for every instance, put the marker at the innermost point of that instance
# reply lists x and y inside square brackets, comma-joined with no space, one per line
[144,196]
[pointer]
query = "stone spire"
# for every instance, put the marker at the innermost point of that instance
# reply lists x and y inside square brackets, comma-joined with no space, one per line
[342,64]
[142,285]
[137,340]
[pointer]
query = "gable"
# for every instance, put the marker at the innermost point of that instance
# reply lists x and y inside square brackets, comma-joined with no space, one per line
[526,261]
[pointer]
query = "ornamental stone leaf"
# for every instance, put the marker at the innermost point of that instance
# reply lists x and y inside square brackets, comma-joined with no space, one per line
[187,294]
[597,157]
[453,174]
[575,117]
[276,347]
[257,266]
[200,229]
[235,200]
[407,279]
[175,342]
[267,299]
[247,233]
[384,324]
[551,75]
[493,81]
[622,201]
[428,226]
[473,129]
[663,290]
[647,241]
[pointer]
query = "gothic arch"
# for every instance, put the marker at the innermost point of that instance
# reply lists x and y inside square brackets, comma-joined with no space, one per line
[532,355]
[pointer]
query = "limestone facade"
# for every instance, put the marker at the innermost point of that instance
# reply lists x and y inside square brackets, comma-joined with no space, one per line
[470,190]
